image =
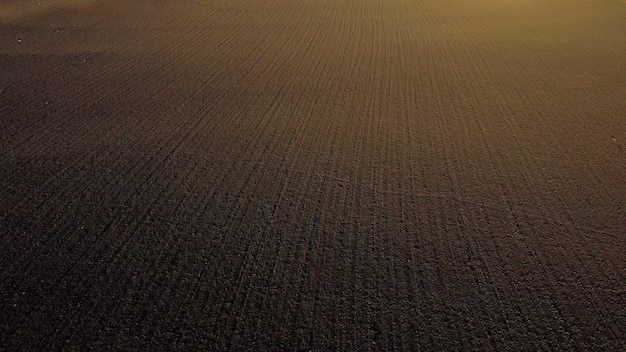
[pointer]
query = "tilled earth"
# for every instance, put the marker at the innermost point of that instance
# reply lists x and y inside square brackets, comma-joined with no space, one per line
[313,175]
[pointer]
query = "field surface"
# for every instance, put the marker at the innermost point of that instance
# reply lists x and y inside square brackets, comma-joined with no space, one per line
[313,175]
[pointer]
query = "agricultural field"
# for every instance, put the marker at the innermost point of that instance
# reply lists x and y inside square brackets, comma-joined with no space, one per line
[354,175]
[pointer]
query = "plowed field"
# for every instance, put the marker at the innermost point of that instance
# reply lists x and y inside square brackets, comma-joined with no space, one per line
[313,175]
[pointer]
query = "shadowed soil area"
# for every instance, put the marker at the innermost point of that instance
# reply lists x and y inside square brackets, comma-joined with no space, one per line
[313,175]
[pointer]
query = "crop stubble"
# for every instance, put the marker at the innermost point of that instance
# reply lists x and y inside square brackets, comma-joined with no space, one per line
[320,175]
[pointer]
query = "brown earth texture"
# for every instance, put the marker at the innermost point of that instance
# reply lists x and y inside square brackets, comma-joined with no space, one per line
[353,175]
